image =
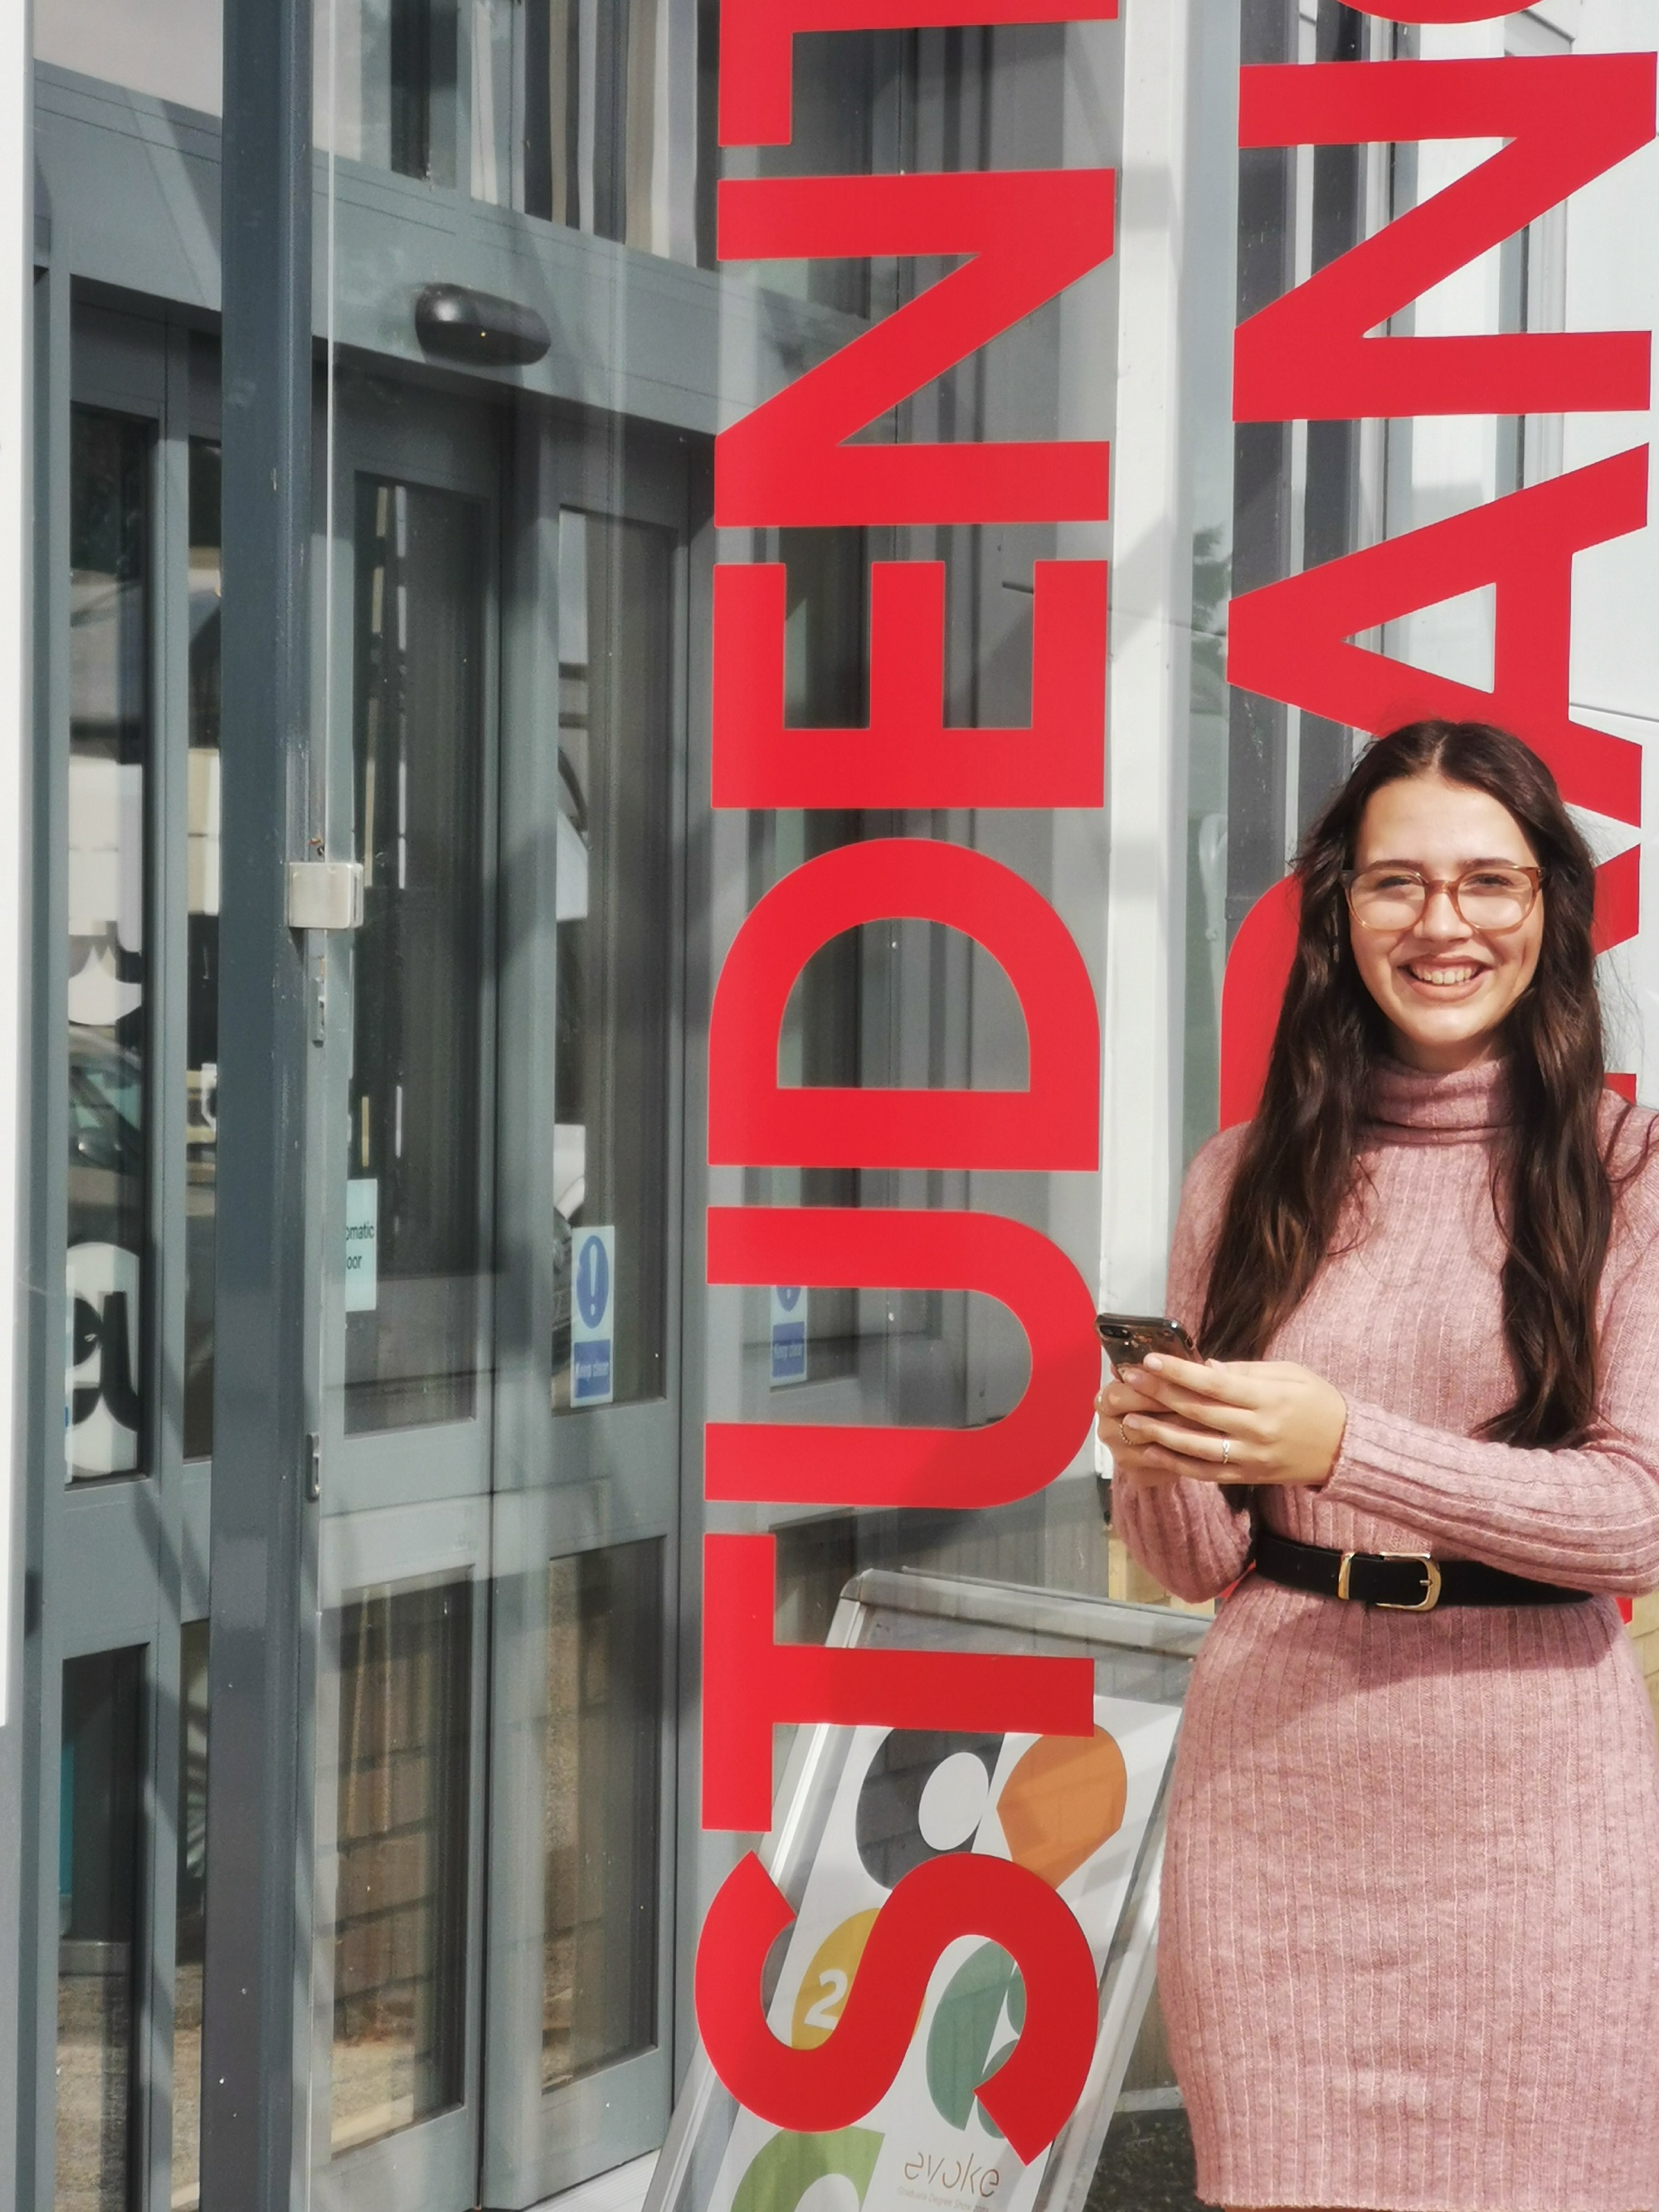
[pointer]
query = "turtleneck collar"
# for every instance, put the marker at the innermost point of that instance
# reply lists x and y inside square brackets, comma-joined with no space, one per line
[1411,1107]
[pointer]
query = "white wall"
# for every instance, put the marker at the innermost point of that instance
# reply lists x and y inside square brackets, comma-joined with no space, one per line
[171,49]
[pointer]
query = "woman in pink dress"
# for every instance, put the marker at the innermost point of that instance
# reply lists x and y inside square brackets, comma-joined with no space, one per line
[1409,1955]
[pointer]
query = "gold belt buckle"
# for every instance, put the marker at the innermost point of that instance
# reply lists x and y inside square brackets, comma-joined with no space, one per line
[1431,1597]
[1426,1603]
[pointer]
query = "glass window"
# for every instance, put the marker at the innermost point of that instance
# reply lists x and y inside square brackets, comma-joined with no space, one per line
[600,1816]
[386,77]
[202,988]
[416,1125]
[190,1925]
[614,871]
[110,737]
[593,133]
[100,1784]
[405,1678]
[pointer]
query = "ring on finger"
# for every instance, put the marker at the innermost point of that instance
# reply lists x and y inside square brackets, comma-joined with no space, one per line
[1226,1450]
[1124,1433]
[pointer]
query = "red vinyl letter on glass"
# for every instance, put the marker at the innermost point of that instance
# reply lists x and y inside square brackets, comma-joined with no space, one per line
[829,1247]
[1027,234]
[1290,640]
[1031,2095]
[754,1121]
[1568,118]
[907,757]
[758,39]
[751,1683]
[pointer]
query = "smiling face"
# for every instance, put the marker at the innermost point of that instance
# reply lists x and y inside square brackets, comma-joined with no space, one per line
[1445,989]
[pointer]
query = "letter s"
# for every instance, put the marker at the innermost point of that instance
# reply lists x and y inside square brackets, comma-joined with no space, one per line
[1030,2096]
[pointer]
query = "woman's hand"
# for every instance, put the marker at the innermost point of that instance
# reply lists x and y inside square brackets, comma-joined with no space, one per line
[1138,1459]
[1239,1420]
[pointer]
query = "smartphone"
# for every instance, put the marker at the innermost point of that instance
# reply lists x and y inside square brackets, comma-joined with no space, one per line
[1129,1337]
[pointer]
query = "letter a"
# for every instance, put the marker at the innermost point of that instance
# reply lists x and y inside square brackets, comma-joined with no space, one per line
[1290,640]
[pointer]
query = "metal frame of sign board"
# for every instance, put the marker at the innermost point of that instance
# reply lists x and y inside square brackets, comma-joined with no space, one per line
[1138,1650]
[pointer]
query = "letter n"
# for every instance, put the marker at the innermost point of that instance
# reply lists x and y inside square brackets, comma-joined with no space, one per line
[1026,235]
[1567,118]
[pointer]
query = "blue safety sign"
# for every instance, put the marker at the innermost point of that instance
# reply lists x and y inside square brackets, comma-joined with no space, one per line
[593,1381]
[788,1336]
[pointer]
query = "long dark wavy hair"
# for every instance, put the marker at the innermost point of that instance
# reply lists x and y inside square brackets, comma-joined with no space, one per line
[1553,1188]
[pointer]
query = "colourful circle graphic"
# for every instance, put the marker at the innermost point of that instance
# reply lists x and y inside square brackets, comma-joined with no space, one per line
[985,1991]
[824,1985]
[786,2165]
[1065,1796]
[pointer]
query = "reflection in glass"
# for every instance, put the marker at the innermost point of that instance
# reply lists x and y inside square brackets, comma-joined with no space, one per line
[826,686]
[400,1912]
[600,1811]
[109,752]
[595,120]
[415,1137]
[189,1928]
[386,84]
[98,1846]
[202,986]
[610,1084]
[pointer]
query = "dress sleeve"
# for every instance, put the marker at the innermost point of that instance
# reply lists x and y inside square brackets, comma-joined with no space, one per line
[1587,1518]
[1194,1537]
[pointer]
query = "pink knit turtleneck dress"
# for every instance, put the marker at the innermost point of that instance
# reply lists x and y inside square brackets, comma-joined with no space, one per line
[1409,1953]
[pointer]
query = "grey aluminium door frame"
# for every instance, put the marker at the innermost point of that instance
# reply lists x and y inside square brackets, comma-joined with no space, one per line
[408,1504]
[264,1541]
[575,1482]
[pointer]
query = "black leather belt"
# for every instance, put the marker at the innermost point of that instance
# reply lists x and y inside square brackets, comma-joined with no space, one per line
[1399,1581]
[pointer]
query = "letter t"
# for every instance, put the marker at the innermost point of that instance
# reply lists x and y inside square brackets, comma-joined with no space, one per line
[750,1683]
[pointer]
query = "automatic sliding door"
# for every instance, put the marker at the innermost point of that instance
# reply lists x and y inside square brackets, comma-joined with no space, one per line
[578,2056]
[408,1037]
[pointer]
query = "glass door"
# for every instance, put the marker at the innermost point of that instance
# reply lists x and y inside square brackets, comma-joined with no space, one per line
[493,1928]
[406,1021]
[579,2059]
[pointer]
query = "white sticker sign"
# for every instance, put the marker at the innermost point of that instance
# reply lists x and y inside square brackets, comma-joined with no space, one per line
[593,1306]
[362,1229]
[103,1409]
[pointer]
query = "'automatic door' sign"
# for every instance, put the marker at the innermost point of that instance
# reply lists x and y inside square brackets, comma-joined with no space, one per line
[1014,240]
